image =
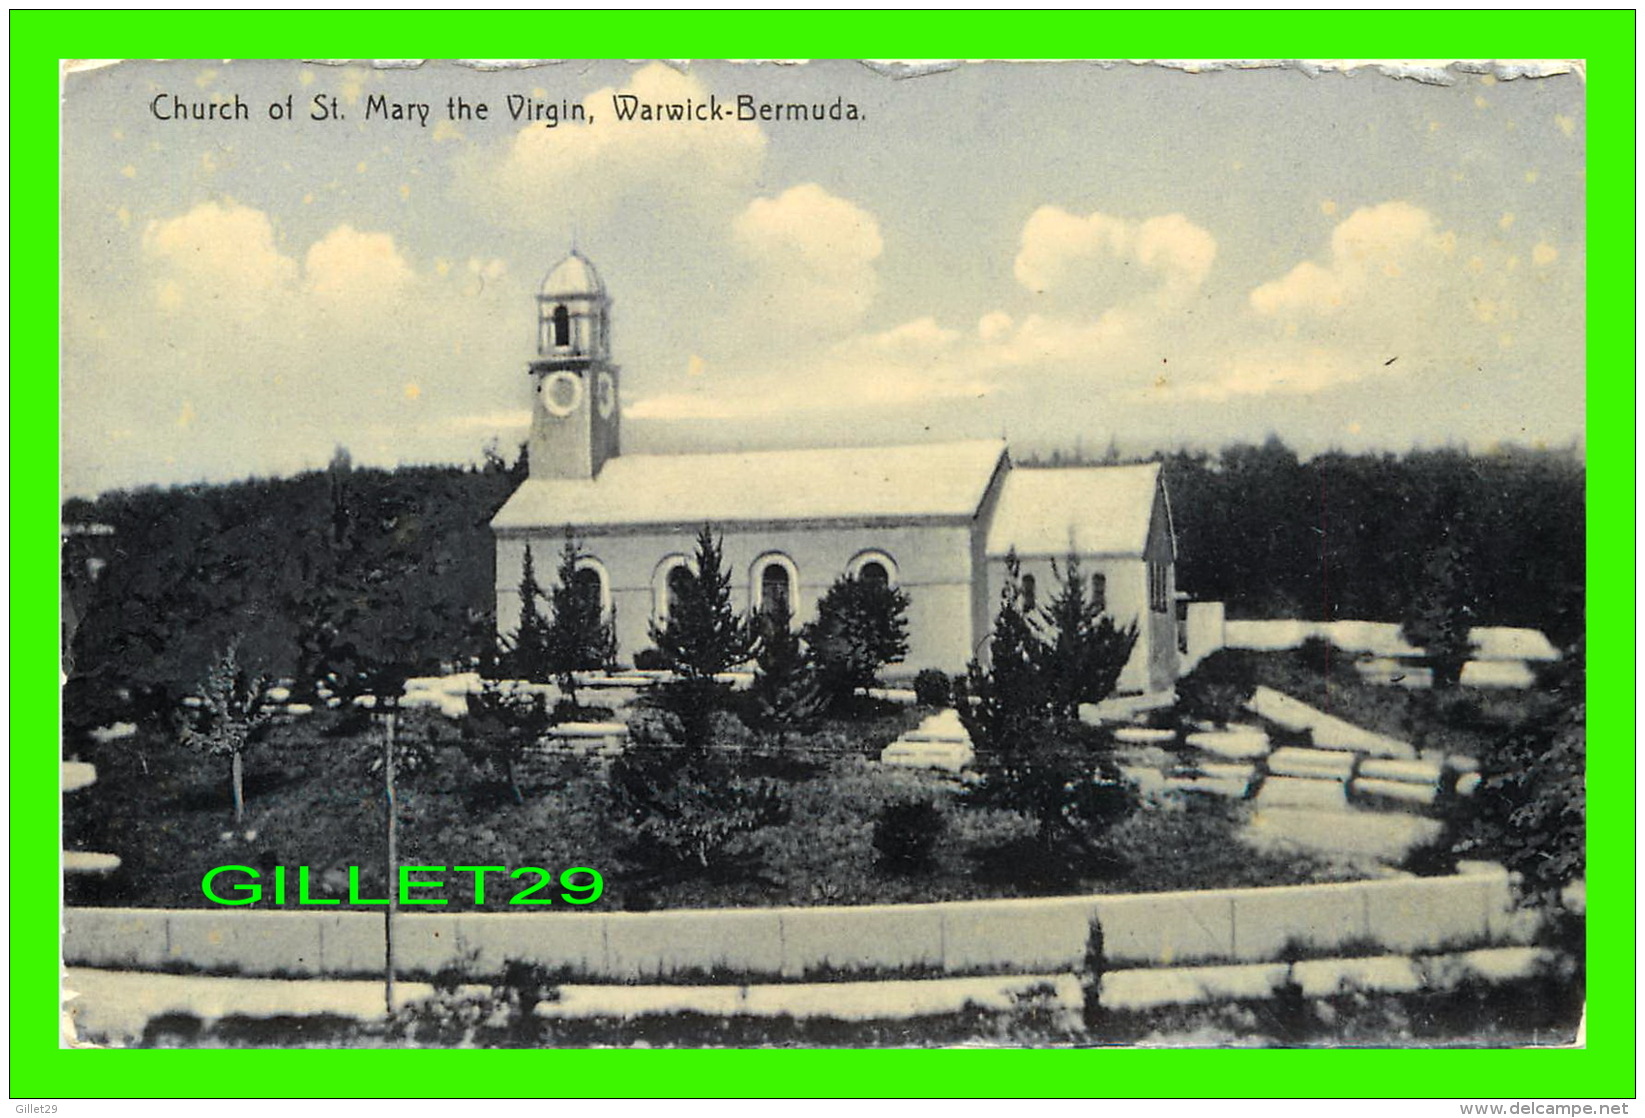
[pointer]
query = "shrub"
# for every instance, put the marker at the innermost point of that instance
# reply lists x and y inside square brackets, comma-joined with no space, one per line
[702,635]
[1033,758]
[650,660]
[1079,651]
[906,833]
[933,688]
[861,627]
[1320,655]
[578,635]
[1218,688]
[502,727]
[692,815]
[785,692]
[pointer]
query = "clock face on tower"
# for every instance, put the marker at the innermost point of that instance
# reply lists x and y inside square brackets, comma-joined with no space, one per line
[561,393]
[605,394]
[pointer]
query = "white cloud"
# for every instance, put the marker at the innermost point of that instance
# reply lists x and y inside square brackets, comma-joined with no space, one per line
[349,264]
[1371,247]
[589,172]
[813,257]
[221,253]
[1100,260]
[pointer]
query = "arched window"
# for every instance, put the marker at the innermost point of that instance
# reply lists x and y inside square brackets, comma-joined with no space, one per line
[1099,593]
[562,326]
[679,585]
[774,584]
[776,596]
[873,566]
[668,579]
[1029,593]
[589,583]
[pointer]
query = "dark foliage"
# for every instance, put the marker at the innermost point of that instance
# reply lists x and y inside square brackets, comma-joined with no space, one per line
[692,815]
[1530,810]
[502,728]
[1080,651]
[861,627]
[1324,539]
[906,833]
[579,637]
[933,688]
[1440,611]
[1218,687]
[786,692]
[1033,758]
[703,635]
[529,653]
[286,567]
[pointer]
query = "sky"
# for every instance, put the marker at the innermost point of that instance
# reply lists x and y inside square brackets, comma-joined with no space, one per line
[1071,255]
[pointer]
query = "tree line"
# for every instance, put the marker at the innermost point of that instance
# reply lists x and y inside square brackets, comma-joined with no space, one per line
[299,573]
[1354,536]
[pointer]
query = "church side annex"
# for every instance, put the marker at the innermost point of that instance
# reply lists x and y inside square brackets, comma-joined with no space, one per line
[936,520]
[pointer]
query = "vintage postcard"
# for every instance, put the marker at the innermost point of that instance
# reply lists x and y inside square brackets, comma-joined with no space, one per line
[588,554]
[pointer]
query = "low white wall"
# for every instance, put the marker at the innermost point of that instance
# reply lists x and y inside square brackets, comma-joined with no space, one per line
[1031,935]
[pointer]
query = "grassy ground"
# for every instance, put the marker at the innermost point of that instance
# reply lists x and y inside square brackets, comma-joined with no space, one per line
[313,799]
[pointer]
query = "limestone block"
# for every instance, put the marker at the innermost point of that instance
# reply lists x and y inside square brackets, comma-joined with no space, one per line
[1500,642]
[1468,784]
[1149,988]
[426,943]
[1382,974]
[1395,673]
[1423,795]
[86,861]
[1149,780]
[1240,743]
[1165,928]
[115,937]
[870,938]
[574,942]
[1041,934]
[1498,674]
[1313,916]
[1431,913]
[692,941]
[351,942]
[1144,735]
[1233,788]
[249,943]
[1410,772]
[77,775]
[1229,771]
[948,756]
[1327,764]
[1328,732]
[1493,964]
[1304,792]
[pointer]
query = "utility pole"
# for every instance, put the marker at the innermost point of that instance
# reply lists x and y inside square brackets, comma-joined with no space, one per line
[393,861]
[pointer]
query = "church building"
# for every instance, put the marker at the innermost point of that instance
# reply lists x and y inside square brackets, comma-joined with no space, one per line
[935,520]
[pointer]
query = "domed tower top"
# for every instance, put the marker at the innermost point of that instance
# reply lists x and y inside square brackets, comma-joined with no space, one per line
[572,277]
[573,312]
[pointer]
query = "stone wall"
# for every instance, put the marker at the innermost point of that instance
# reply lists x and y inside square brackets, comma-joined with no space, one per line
[1033,935]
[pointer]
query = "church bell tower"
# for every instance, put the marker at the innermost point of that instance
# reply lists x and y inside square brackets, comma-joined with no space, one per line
[574,412]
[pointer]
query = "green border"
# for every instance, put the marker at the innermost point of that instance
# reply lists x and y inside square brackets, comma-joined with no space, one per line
[1604,1069]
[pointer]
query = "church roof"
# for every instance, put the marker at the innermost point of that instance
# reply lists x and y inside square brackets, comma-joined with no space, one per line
[574,275]
[1098,510]
[867,483]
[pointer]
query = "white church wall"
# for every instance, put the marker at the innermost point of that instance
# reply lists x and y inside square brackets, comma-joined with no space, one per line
[933,566]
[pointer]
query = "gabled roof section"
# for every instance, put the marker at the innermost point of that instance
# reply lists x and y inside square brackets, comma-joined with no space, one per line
[939,480]
[1098,510]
